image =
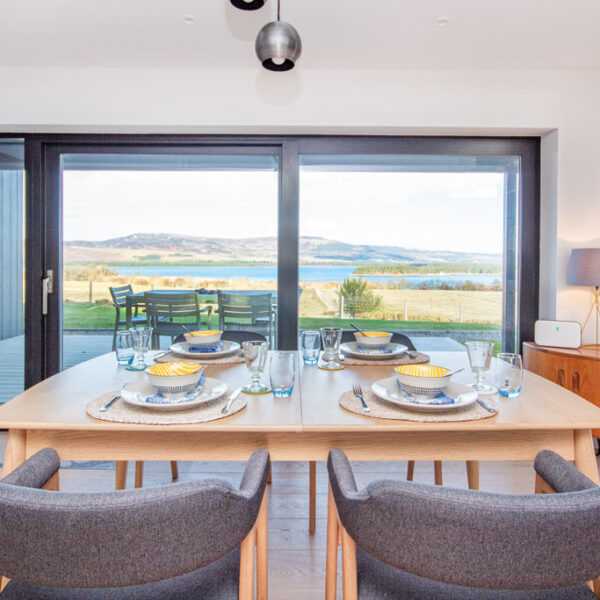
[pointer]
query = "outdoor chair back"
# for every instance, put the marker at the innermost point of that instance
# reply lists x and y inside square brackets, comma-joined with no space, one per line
[247,312]
[125,538]
[169,312]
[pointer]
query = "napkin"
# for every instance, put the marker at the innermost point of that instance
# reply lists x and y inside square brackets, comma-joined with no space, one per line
[200,349]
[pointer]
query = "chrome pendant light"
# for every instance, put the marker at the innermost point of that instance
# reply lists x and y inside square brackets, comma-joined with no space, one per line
[248,4]
[278,45]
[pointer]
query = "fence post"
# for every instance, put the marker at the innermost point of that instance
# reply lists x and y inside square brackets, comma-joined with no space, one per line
[460,312]
[91,292]
[406,310]
[341,315]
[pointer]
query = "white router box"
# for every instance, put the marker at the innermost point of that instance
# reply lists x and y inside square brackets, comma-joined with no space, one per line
[559,334]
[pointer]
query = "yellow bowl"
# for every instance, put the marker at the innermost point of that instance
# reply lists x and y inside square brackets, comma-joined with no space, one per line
[174,377]
[205,337]
[373,340]
[422,380]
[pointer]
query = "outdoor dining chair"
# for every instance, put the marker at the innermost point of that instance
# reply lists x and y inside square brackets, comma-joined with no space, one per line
[169,312]
[413,541]
[181,541]
[118,295]
[249,312]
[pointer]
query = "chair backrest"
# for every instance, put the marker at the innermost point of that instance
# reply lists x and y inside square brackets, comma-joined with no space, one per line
[231,335]
[170,305]
[243,307]
[397,338]
[85,540]
[119,294]
[471,538]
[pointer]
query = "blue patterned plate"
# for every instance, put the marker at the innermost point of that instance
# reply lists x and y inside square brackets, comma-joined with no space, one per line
[453,396]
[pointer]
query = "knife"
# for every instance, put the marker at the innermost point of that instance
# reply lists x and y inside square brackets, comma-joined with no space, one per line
[486,405]
[231,400]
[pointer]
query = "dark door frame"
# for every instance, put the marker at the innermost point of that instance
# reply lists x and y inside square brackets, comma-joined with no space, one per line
[43,216]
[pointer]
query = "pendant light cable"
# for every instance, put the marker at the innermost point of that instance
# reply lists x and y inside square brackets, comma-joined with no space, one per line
[278,9]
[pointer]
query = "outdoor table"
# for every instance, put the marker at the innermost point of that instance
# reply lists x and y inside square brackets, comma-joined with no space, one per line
[137,300]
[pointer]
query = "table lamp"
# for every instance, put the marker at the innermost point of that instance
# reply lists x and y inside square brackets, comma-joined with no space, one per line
[584,269]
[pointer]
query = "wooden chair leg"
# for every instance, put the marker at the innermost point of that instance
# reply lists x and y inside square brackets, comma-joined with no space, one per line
[333,532]
[270,479]
[174,470]
[410,471]
[139,473]
[349,575]
[437,468]
[246,586]
[473,474]
[312,496]
[120,475]
[262,554]
[53,484]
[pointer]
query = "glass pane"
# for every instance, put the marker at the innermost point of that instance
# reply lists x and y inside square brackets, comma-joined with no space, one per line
[12,341]
[186,226]
[425,245]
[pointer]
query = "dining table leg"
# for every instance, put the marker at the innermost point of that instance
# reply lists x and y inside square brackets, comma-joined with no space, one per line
[312,497]
[585,455]
[473,474]
[120,475]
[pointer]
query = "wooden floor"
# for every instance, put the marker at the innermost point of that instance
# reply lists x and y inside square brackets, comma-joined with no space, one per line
[297,559]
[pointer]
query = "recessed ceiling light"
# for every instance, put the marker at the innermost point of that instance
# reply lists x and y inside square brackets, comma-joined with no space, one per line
[441,21]
[188,19]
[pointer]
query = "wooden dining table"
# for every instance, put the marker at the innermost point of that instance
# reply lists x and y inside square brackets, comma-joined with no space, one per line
[303,427]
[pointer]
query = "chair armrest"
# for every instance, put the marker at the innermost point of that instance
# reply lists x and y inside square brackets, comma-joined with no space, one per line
[256,473]
[560,474]
[340,472]
[35,471]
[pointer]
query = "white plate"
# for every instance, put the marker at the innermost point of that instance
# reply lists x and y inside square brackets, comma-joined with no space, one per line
[352,349]
[145,394]
[182,350]
[387,389]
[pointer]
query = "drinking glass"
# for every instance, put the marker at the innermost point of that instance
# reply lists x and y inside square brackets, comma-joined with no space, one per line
[123,347]
[480,357]
[255,354]
[140,338]
[331,337]
[282,371]
[310,344]
[509,374]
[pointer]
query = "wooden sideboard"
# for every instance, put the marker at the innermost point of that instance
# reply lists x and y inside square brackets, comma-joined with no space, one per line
[577,370]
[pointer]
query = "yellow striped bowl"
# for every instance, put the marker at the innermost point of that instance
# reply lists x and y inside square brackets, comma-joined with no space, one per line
[174,377]
[422,380]
[205,337]
[373,340]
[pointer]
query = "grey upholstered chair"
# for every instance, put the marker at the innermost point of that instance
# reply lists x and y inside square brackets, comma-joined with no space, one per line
[182,541]
[410,541]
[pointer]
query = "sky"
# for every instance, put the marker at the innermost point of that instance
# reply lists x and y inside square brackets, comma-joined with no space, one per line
[428,211]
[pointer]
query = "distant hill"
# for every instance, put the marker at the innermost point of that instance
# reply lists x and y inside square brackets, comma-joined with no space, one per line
[160,248]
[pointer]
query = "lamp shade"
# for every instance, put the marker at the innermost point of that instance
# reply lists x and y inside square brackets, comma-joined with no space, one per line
[584,268]
[248,4]
[278,46]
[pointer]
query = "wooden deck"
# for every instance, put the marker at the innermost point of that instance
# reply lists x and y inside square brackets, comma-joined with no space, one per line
[78,348]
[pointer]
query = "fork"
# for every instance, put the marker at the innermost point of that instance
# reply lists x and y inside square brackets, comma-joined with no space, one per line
[357,391]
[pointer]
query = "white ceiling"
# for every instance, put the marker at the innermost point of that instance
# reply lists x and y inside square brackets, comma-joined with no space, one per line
[504,34]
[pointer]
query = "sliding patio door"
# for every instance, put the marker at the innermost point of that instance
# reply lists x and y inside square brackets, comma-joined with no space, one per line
[175,219]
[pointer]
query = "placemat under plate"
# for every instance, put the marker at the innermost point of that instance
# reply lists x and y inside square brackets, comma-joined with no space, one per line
[121,412]
[380,409]
[403,359]
[223,360]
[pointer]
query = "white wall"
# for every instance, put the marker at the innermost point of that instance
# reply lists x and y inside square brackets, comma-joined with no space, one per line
[559,105]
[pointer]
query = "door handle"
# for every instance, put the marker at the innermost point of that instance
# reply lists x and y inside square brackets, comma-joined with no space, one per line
[561,377]
[575,381]
[47,288]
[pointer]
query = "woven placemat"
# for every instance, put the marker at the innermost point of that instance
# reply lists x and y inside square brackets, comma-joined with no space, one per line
[121,412]
[380,409]
[223,360]
[403,359]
